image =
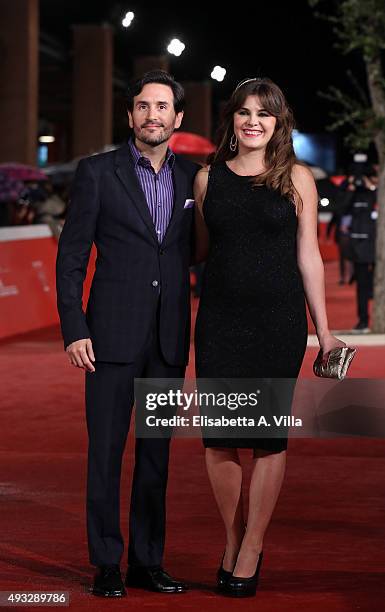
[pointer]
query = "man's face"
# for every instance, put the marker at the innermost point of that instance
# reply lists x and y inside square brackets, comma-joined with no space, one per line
[153,117]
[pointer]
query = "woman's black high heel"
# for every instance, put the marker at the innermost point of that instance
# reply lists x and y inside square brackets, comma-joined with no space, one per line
[244,587]
[223,576]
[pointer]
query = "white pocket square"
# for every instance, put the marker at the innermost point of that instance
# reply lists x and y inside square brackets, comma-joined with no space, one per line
[189,203]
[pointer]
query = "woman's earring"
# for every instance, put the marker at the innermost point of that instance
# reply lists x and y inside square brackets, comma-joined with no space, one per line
[233,143]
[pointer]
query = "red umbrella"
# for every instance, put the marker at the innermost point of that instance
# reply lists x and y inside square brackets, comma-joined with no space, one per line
[190,144]
[22,172]
[338,179]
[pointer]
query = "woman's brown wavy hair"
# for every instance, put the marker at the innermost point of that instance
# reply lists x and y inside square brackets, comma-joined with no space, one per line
[279,156]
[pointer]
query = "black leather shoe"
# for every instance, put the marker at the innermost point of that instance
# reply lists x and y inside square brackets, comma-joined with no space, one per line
[244,587]
[223,576]
[153,579]
[108,582]
[362,327]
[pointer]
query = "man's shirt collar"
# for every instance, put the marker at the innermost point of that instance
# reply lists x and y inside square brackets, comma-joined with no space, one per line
[141,160]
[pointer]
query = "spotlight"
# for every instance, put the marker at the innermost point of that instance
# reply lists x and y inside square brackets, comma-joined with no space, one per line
[126,22]
[176,47]
[218,73]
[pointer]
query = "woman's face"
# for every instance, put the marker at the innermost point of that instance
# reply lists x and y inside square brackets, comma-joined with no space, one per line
[253,125]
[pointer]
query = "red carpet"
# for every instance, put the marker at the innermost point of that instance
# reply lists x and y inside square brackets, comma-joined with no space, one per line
[324,551]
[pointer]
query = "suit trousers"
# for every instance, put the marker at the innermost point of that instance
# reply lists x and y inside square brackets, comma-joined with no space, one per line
[364,278]
[109,403]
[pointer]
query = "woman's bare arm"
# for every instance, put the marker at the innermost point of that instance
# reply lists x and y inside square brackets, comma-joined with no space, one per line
[201,232]
[309,257]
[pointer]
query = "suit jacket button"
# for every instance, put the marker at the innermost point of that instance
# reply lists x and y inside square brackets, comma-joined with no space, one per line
[154,283]
[161,252]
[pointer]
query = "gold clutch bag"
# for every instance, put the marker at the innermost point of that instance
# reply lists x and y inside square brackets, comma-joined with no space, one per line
[335,363]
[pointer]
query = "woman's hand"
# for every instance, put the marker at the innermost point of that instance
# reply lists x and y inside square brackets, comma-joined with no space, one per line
[328,342]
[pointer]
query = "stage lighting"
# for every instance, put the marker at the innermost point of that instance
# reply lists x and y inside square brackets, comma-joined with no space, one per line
[126,22]
[218,73]
[176,47]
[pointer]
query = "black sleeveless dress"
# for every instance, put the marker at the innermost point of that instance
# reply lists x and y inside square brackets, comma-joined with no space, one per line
[251,321]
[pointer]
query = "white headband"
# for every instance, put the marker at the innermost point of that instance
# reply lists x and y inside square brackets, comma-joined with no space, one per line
[244,83]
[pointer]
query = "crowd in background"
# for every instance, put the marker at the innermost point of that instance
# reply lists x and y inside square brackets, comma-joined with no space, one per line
[37,202]
[352,224]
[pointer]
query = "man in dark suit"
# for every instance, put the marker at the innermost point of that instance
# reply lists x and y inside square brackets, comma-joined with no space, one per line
[135,205]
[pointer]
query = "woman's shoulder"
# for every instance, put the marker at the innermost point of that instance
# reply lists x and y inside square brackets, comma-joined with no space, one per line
[301,174]
[202,176]
[201,182]
[204,170]
[305,187]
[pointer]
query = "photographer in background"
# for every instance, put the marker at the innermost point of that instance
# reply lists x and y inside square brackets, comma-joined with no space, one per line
[341,238]
[359,224]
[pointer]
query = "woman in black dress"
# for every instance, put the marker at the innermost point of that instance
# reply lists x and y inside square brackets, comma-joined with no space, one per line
[256,216]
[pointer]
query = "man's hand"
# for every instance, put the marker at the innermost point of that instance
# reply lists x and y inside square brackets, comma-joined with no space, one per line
[80,354]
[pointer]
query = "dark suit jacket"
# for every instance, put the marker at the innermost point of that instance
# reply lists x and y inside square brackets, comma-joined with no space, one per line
[133,270]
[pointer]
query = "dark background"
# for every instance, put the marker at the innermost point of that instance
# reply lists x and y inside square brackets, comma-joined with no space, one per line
[281,40]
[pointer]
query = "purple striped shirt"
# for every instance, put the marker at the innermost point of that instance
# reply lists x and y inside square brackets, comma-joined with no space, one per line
[157,188]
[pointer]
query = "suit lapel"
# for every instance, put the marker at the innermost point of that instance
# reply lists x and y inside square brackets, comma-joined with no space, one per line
[125,171]
[180,186]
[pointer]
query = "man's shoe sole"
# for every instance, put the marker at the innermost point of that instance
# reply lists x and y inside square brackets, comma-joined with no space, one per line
[110,594]
[146,587]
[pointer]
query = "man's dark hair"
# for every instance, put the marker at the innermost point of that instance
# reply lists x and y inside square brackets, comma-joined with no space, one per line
[156,76]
